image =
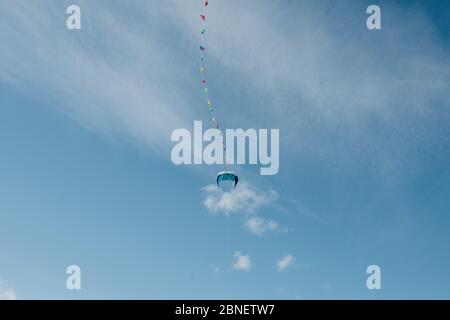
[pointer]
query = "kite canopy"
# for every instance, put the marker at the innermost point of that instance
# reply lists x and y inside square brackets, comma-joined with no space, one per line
[227,180]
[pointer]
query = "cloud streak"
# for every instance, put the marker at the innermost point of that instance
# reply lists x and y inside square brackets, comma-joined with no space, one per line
[108,76]
[340,86]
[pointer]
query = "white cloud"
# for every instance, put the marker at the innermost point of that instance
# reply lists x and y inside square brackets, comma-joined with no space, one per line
[241,262]
[245,199]
[6,292]
[259,226]
[285,262]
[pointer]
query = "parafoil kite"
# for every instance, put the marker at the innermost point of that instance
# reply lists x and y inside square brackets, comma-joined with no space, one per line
[227,180]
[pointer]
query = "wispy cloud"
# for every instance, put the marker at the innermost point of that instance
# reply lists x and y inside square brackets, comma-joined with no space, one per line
[6,291]
[340,86]
[111,76]
[241,262]
[285,262]
[244,199]
[260,226]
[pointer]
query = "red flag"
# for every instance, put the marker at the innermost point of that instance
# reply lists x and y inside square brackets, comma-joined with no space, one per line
[203,17]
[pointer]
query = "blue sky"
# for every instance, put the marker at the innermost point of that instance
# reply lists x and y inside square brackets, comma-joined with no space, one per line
[85,170]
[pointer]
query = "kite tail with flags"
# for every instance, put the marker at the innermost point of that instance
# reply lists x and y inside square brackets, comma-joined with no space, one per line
[203,71]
